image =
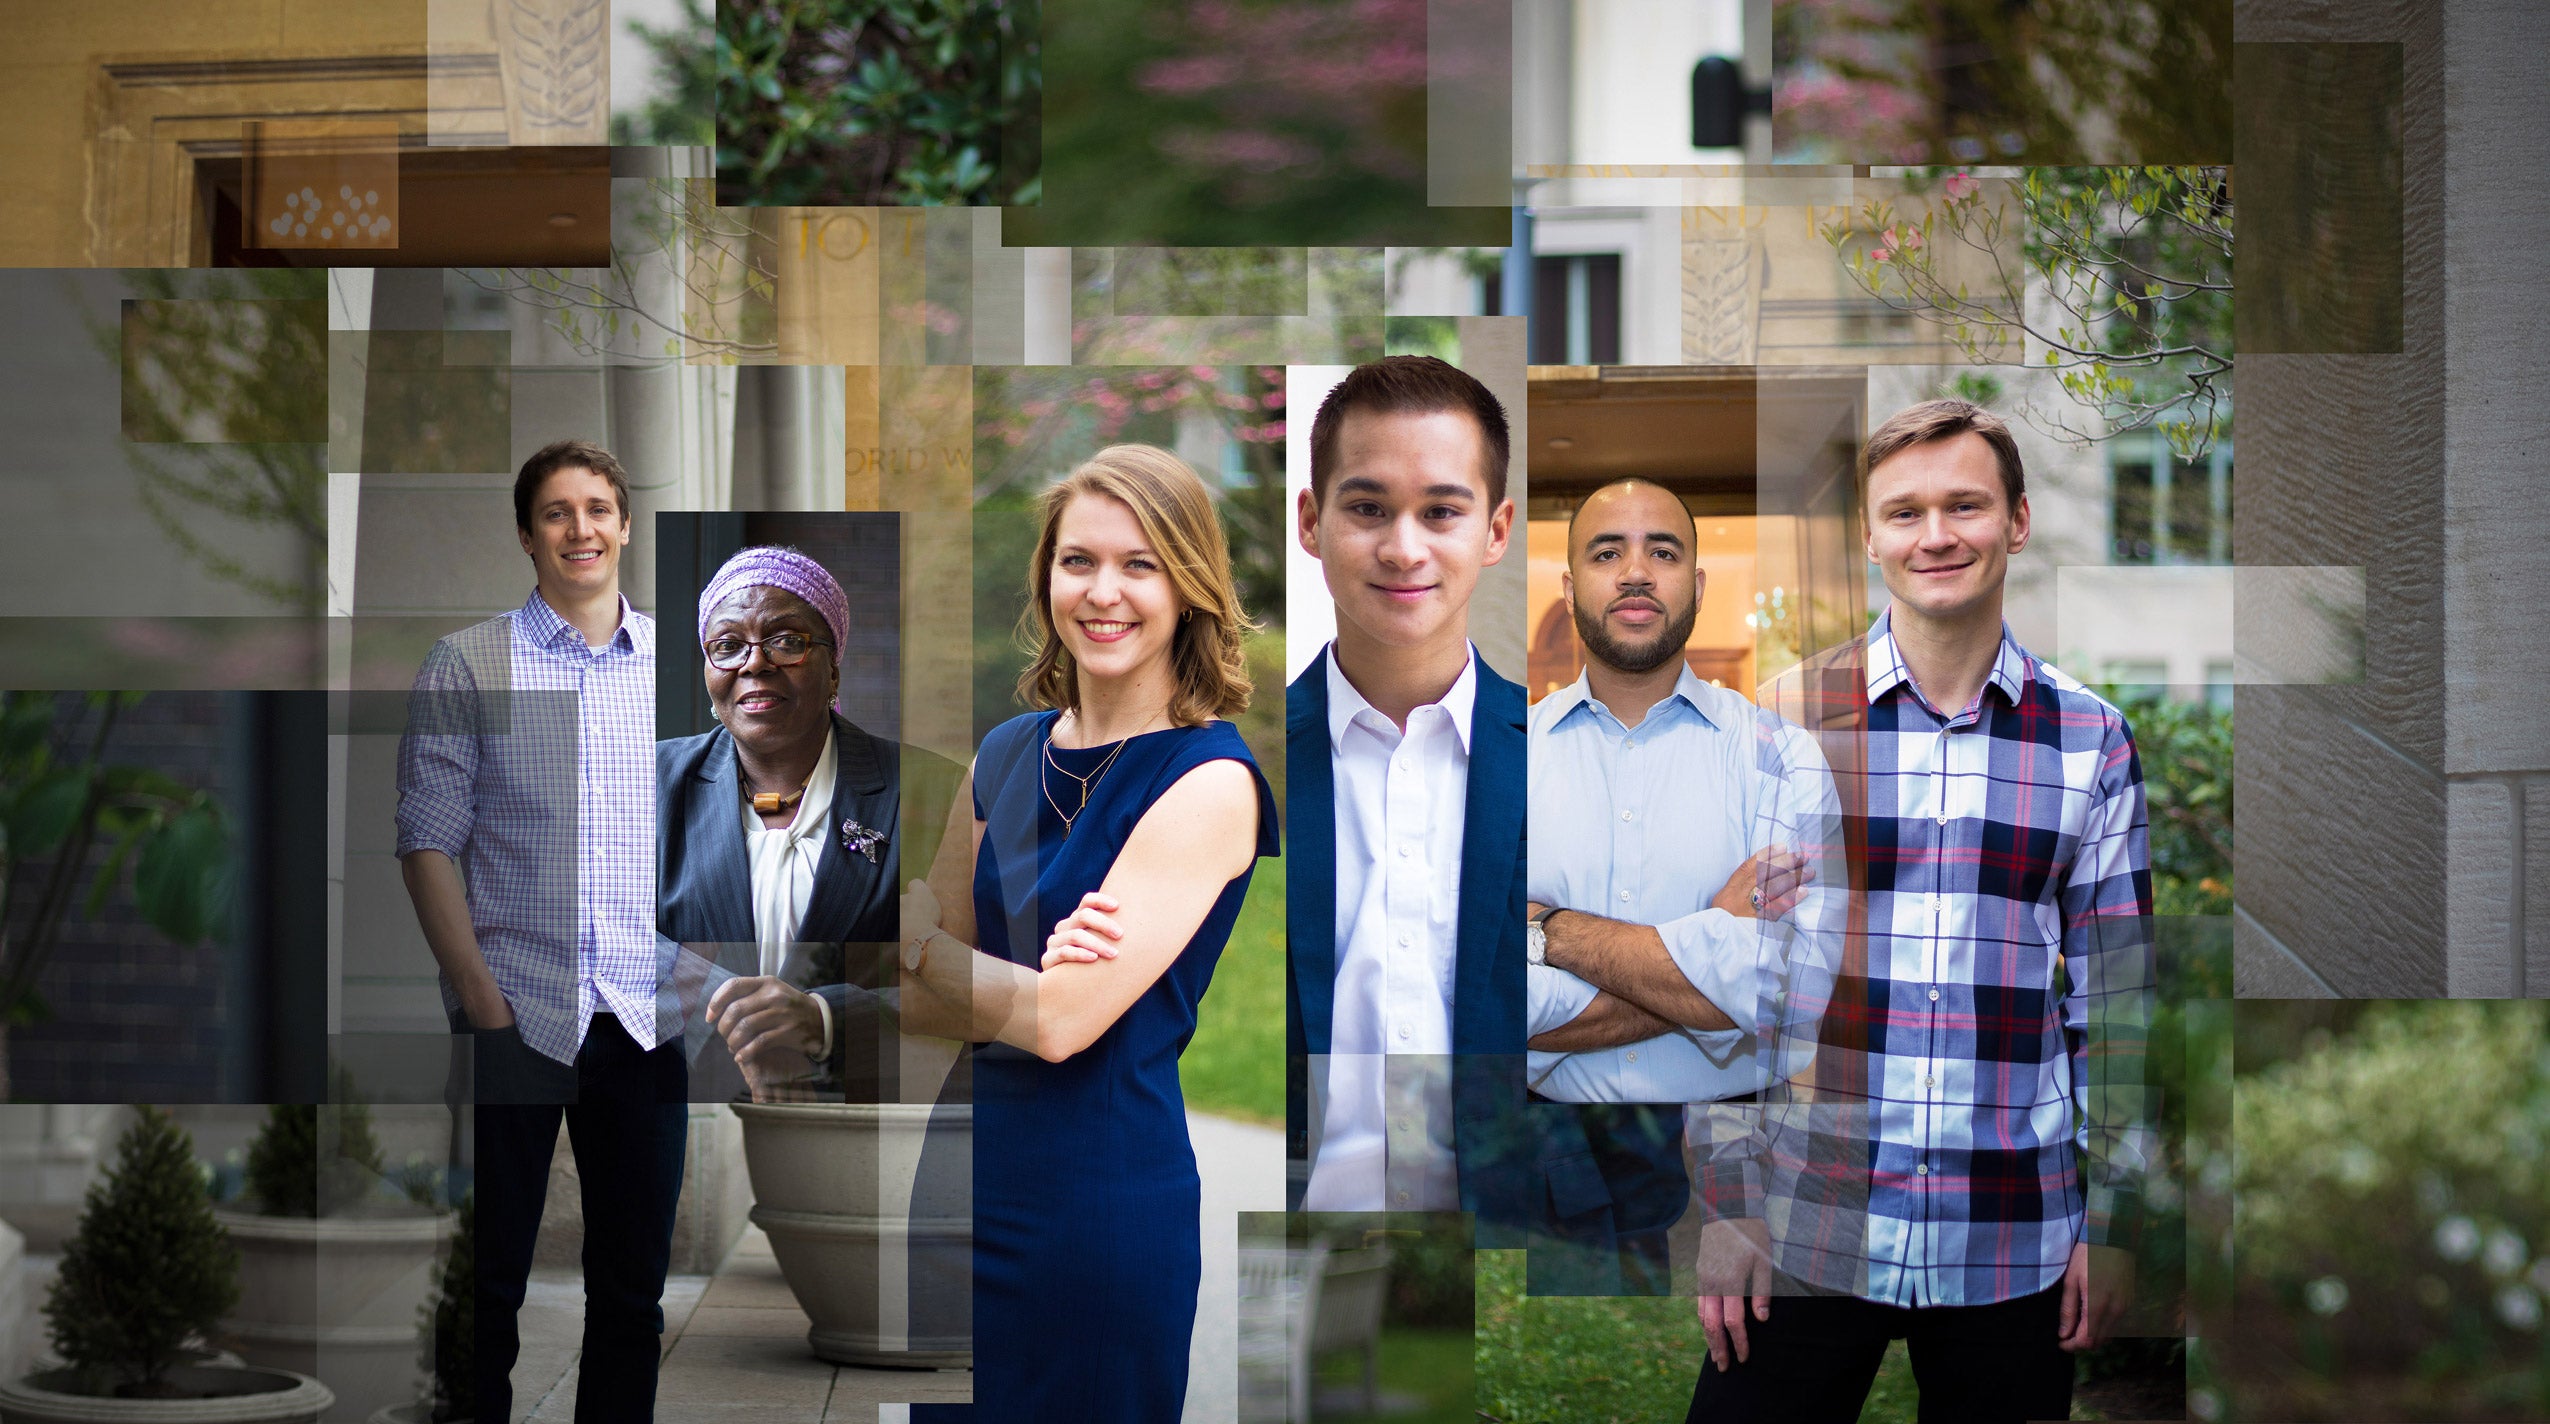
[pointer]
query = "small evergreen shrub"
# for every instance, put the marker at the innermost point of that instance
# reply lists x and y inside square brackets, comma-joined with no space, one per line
[149,1268]
[289,1176]
[451,1323]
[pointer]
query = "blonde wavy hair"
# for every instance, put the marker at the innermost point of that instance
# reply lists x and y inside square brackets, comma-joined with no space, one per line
[1179,522]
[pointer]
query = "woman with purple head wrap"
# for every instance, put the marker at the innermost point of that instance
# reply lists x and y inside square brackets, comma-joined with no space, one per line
[775,827]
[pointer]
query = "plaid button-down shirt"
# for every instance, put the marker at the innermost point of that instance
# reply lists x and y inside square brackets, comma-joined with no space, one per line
[1976,1103]
[529,759]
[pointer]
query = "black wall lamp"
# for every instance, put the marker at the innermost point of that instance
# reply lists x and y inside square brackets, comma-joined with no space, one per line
[1719,103]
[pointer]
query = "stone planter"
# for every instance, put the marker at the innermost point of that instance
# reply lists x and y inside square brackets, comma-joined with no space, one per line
[881,1267]
[335,1297]
[234,1396]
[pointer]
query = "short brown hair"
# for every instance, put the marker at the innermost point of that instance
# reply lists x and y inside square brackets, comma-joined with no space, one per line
[1408,385]
[1940,420]
[567,455]
[1176,512]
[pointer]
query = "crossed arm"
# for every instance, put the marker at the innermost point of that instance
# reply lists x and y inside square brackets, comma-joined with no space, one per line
[1193,841]
[1628,963]
[1199,835]
[1641,992]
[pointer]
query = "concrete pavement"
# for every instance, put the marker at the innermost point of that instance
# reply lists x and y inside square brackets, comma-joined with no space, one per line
[735,1342]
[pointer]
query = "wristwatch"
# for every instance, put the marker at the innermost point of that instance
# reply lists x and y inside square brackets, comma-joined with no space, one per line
[916,952]
[1536,937]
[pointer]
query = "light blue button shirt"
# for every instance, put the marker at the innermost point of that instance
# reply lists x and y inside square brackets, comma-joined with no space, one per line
[1645,824]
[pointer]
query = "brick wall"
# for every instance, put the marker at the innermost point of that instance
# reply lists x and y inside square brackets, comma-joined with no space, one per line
[135,1018]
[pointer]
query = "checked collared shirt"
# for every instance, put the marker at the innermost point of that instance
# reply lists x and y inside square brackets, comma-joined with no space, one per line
[1976,1103]
[529,759]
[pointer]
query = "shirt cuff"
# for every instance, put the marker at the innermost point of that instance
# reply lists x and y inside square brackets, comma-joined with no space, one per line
[1556,997]
[823,1006]
[1720,954]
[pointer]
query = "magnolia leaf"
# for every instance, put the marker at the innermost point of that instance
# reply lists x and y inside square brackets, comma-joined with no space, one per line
[44,810]
[182,879]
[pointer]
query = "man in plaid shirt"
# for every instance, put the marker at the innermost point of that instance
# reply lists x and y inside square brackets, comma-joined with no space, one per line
[1958,1163]
[529,763]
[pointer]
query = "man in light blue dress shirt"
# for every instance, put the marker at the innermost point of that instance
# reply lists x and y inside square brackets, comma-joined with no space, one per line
[1667,818]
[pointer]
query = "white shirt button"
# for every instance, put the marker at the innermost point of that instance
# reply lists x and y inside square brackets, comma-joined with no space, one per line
[1403,1198]
[1943,820]
[1629,815]
[1403,1030]
[1624,897]
[1934,996]
[1403,941]
[1922,1170]
[1633,1055]
[1929,1082]
[1405,851]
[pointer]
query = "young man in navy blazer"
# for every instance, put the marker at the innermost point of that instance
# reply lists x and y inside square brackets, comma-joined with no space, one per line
[1405,757]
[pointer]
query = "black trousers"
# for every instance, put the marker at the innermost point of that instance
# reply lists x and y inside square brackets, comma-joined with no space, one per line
[627,1115]
[1814,1359]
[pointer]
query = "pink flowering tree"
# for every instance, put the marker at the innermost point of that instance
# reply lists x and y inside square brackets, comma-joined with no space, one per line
[1231,122]
[1976,81]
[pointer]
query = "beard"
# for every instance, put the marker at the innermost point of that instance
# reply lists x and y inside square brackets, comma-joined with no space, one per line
[1640,655]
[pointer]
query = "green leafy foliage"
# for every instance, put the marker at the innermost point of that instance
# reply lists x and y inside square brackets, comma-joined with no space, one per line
[313,1159]
[149,1268]
[59,798]
[449,1319]
[2185,751]
[2392,1205]
[865,102]
[1433,1275]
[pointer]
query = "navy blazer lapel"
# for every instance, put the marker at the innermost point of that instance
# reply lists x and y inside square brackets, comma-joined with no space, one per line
[716,858]
[1310,900]
[844,880]
[1488,992]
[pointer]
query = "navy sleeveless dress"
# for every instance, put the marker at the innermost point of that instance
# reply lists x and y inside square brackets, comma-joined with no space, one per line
[1085,1191]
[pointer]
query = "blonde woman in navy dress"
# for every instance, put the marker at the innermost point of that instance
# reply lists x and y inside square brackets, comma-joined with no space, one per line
[1112,836]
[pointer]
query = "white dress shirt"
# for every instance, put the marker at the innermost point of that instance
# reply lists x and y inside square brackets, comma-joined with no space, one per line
[1644,824]
[783,861]
[1381,1109]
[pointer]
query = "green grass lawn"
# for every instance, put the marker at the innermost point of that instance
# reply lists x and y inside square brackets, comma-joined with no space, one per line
[1580,1359]
[1235,1065]
[1614,1360]
[1433,1365]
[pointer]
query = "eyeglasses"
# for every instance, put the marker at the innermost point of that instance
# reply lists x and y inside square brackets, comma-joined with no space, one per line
[783,650]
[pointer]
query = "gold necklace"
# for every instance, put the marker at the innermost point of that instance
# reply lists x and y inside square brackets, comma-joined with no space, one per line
[1088,783]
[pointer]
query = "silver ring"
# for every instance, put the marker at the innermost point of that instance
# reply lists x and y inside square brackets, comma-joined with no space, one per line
[1757,899]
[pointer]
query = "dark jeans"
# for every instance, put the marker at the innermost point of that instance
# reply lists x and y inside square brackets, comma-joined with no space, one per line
[1815,1358]
[626,1110]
